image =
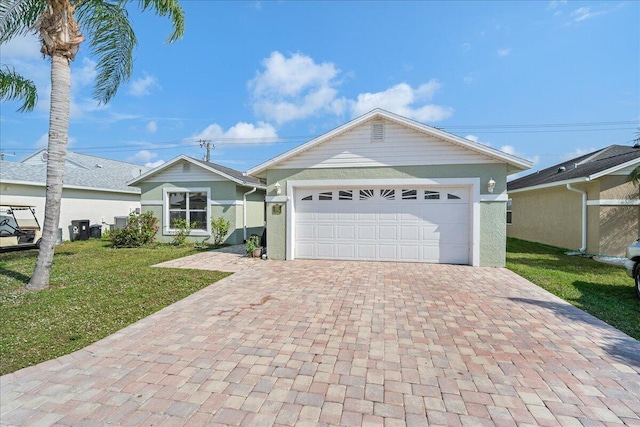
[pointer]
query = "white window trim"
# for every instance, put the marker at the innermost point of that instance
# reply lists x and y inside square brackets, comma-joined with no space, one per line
[509,209]
[472,184]
[166,231]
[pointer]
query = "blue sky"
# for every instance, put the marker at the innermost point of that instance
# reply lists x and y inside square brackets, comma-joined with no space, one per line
[545,81]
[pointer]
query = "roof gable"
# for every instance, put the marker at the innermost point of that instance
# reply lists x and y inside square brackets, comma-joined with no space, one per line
[613,159]
[169,171]
[408,143]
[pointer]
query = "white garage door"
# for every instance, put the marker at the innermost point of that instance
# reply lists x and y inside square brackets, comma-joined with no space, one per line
[428,224]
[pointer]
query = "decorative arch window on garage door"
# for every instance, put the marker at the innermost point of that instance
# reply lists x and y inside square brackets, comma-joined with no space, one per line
[382,194]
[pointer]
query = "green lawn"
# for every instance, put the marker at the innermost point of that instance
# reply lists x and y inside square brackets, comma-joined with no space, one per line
[95,291]
[603,290]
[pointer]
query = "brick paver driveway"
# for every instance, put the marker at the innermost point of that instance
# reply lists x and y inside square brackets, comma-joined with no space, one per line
[345,343]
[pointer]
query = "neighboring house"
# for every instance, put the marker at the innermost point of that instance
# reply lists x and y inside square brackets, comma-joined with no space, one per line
[95,188]
[586,203]
[198,191]
[383,187]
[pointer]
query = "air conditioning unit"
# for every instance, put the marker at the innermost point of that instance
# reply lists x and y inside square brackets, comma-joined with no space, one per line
[120,221]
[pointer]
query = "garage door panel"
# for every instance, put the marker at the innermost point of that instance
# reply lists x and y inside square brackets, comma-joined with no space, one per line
[366,232]
[409,233]
[366,216]
[366,251]
[387,252]
[346,216]
[305,231]
[305,250]
[382,225]
[346,251]
[410,252]
[346,232]
[325,250]
[325,232]
[325,216]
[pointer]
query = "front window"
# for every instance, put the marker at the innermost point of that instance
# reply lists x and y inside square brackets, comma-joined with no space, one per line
[190,206]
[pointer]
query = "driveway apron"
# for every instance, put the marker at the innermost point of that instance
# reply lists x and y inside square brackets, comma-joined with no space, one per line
[345,343]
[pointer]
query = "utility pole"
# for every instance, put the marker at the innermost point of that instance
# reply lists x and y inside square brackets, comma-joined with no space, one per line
[207,145]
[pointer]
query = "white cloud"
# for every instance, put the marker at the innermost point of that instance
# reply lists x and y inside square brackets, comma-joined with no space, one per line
[21,48]
[508,149]
[240,133]
[154,164]
[472,138]
[143,85]
[85,75]
[142,156]
[152,127]
[294,88]
[583,13]
[469,78]
[504,52]
[402,99]
[577,153]
[553,4]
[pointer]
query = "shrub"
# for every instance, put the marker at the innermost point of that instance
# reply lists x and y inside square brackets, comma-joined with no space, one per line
[139,231]
[252,243]
[183,228]
[219,229]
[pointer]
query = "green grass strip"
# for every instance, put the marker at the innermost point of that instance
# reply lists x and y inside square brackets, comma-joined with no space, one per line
[602,290]
[95,291]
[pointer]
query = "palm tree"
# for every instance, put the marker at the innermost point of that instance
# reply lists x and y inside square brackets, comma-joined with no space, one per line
[111,39]
[15,87]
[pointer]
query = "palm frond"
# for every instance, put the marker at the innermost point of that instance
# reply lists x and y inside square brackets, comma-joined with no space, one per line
[170,8]
[15,87]
[112,41]
[19,17]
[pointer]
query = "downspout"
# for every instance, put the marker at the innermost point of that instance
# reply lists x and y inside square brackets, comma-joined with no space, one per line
[584,216]
[244,212]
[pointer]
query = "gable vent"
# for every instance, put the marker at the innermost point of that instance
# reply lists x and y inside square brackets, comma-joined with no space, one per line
[186,167]
[377,132]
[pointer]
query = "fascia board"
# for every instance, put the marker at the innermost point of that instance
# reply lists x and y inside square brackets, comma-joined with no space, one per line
[550,184]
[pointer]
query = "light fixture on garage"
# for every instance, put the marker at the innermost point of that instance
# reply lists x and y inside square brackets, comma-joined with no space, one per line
[277,187]
[491,185]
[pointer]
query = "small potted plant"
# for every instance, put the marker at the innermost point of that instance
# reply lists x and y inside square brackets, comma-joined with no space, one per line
[253,246]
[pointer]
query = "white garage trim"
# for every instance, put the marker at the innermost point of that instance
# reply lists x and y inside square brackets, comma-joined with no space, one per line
[473,184]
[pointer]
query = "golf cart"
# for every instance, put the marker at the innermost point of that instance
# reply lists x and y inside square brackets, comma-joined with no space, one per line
[19,227]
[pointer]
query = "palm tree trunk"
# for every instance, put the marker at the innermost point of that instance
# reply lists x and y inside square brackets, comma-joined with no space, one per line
[57,152]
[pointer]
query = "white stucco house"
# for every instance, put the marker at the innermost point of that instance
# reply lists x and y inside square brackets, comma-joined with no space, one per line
[95,188]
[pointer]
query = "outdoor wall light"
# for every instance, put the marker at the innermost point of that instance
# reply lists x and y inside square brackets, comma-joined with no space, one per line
[277,187]
[491,185]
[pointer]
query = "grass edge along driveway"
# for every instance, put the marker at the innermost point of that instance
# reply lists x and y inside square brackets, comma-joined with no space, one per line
[95,291]
[603,290]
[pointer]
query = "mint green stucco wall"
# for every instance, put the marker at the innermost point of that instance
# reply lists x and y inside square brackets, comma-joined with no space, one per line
[492,215]
[219,190]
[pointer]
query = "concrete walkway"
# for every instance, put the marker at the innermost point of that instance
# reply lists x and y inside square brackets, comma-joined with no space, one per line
[310,343]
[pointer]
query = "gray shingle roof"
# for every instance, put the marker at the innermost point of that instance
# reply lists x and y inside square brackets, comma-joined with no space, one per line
[81,170]
[247,179]
[580,167]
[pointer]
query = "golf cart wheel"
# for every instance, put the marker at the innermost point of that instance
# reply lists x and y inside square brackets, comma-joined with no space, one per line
[636,278]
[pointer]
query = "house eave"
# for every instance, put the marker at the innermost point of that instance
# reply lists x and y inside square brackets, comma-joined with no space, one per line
[550,185]
[71,187]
